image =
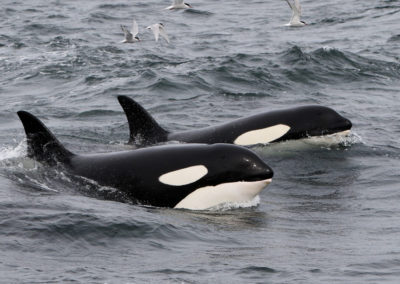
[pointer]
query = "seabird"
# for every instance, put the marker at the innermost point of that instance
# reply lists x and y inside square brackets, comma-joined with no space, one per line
[296,9]
[158,29]
[178,4]
[131,36]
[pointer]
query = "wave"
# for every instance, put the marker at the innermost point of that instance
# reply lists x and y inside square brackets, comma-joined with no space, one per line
[394,38]
[99,17]
[95,227]
[330,65]
[44,29]
[240,74]
[257,269]
[98,112]
[113,6]
[257,74]
[198,12]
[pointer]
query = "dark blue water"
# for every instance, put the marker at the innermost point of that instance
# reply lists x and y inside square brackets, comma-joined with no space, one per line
[332,212]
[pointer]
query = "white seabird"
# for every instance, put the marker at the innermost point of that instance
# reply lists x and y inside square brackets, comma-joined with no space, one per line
[178,4]
[158,29]
[131,36]
[296,10]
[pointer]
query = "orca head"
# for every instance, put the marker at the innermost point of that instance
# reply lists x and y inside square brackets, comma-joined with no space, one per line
[316,121]
[235,163]
[204,176]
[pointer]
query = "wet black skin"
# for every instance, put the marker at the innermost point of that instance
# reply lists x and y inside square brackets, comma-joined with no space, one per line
[304,121]
[137,172]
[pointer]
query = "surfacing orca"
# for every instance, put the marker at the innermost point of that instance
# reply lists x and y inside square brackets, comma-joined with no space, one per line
[192,176]
[287,124]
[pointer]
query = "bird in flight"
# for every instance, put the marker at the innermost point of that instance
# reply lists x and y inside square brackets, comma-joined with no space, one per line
[158,29]
[130,36]
[178,4]
[296,13]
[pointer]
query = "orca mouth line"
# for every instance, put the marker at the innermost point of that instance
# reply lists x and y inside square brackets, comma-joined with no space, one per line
[261,177]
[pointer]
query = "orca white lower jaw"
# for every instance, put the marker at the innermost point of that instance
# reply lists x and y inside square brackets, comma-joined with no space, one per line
[233,192]
[342,133]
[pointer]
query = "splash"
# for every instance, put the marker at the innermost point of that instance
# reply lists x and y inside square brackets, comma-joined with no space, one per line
[236,205]
[10,152]
[344,139]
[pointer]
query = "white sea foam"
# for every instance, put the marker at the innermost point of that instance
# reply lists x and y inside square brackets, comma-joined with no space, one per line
[9,152]
[236,205]
[341,139]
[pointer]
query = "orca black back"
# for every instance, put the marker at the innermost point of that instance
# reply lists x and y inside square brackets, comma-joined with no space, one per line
[143,128]
[43,146]
[192,176]
[262,128]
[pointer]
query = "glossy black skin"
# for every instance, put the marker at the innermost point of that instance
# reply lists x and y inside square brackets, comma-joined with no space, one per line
[137,172]
[304,121]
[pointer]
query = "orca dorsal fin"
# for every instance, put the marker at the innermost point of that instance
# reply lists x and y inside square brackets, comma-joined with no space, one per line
[143,128]
[43,146]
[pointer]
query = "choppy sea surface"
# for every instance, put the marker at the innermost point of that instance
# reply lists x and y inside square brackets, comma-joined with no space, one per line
[332,212]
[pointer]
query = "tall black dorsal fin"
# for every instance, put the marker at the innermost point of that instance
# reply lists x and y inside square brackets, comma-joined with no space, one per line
[43,146]
[142,126]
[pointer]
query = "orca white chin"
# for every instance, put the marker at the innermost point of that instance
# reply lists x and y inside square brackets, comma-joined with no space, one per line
[233,192]
[343,133]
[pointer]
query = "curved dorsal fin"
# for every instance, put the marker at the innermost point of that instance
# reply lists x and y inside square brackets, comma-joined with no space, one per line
[142,126]
[43,146]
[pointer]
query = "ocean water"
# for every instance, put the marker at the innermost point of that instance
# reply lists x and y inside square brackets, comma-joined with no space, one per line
[332,212]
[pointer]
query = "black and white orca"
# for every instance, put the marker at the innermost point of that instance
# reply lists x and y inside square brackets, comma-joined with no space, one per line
[192,176]
[287,124]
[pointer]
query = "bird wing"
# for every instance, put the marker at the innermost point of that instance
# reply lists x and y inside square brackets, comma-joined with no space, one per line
[296,10]
[163,33]
[178,2]
[128,35]
[290,4]
[297,6]
[154,28]
[135,28]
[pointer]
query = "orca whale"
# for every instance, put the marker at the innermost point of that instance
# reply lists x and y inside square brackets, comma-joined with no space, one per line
[287,124]
[191,176]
